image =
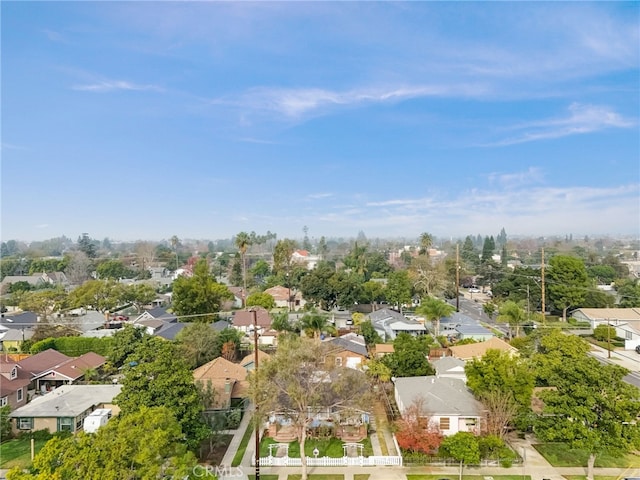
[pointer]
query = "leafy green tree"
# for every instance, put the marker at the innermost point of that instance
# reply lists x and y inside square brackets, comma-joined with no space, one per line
[488,248]
[282,260]
[409,358]
[297,381]
[113,269]
[462,446]
[469,254]
[317,288]
[348,288]
[629,293]
[44,302]
[554,349]
[87,246]
[197,343]
[378,371]
[371,337]
[159,377]
[143,445]
[5,423]
[139,295]
[261,299]
[399,289]
[568,282]
[124,343]
[598,299]
[260,271]
[604,332]
[229,337]
[372,292]
[591,408]
[199,296]
[101,295]
[435,310]
[21,286]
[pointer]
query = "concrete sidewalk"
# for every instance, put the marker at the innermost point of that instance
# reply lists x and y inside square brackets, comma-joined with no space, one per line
[237,436]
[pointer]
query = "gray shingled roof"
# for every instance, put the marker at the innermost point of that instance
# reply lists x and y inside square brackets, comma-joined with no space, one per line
[68,401]
[442,395]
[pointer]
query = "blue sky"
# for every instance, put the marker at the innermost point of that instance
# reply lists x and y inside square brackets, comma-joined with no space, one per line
[145,120]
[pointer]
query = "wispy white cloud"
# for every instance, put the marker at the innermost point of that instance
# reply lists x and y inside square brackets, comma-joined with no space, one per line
[11,146]
[317,196]
[42,226]
[516,179]
[115,85]
[581,119]
[297,102]
[530,211]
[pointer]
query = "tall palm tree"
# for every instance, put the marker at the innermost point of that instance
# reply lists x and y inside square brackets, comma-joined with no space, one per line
[243,240]
[426,241]
[175,242]
[510,312]
[435,309]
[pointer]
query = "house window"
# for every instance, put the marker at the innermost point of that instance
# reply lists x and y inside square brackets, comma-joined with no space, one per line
[19,393]
[4,401]
[444,423]
[25,423]
[338,361]
[628,335]
[470,422]
[65,424]
[14,373]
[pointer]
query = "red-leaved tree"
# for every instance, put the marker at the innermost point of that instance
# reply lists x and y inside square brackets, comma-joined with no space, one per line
[416,431]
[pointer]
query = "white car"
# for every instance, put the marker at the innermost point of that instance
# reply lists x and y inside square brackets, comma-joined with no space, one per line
[474,290]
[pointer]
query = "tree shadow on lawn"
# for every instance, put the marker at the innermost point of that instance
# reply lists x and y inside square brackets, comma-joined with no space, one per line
[560,455]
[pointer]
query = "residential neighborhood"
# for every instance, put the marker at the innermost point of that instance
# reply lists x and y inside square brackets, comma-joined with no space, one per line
[422,373]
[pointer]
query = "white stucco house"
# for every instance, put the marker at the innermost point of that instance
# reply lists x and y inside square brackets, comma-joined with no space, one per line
[446,401]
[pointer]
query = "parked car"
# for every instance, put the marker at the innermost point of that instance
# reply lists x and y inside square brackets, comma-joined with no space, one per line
[474,290]
[638,349]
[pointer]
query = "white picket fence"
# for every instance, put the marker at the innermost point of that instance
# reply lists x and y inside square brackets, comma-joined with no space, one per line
[372,461]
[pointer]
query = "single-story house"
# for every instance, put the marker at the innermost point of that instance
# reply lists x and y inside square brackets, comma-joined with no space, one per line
[349,350]
[447,401]
[474,332]
[389,323]
[243,320]
[449,367]
[286,297]
[477,350]
[50,368]
[65,408]
[12,339]
[68,372]
[18,321]
[227,379]
[626,321]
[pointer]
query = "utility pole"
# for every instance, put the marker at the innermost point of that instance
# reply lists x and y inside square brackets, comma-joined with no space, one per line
[457,277]
[608,339]
[255,371]
[542,287]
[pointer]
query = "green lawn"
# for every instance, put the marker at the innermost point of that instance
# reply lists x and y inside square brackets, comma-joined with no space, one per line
[584,477]
[560,455]
[264,477]
[237,458]
[317,477]
[466,477]
[327,448]
[17,453]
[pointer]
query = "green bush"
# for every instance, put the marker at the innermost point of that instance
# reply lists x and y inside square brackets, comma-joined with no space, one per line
[603,332]
[506,462]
